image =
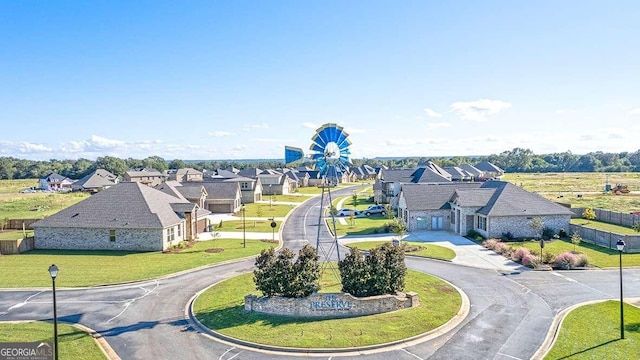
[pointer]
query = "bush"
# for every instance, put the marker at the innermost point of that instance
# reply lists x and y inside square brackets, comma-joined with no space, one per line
[536,263]
[500,247]
[508,236]
[490,243]
[529,259]
[565,260]
[278,275]
[381,272]
[473,234]
[519,254]
[548,233]
[547,257]
[563,233]
[582,260]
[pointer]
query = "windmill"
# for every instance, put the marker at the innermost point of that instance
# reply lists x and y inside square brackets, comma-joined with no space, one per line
[330,154]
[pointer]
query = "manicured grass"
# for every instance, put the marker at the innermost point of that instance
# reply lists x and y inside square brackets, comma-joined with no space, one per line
[37,205]
[73,343]
[251,226]
[313,190]
[428,250]
[264,210]
[580,339]
[597,255]
[286,198]
[599,225]
[221,308]
[365,225]
[94,267]
[14,234]
[363,202]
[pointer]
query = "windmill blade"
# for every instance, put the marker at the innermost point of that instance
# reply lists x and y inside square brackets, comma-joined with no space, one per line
[292,154]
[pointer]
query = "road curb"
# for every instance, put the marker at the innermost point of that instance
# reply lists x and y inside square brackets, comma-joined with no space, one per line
[443,329]
[104,346]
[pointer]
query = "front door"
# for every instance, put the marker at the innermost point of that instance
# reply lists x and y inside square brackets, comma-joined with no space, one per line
[436,223]
[421,223]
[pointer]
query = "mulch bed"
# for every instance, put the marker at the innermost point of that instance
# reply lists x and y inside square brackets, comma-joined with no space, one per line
[214,250]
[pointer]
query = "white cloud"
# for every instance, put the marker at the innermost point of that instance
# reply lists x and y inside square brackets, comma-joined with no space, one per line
[220,133]
[635,111]
[479,110]
[438,125]
[566,111]
[240,148]
[255,127]
[310,125]
[432,114]
[352,130]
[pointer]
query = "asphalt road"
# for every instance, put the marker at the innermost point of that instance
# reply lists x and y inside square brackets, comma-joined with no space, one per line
[509,316]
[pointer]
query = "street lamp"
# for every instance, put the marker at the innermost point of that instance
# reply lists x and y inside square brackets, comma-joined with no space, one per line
[244,232]
[620,245]
[270,195]
[53,271]
[541,247]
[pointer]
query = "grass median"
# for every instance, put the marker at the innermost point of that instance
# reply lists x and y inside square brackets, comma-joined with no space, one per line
[221,308]
[98,267]
[417,249]
[580,339]
[73,343]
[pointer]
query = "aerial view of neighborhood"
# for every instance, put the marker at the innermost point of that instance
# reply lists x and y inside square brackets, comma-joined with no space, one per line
[319,179]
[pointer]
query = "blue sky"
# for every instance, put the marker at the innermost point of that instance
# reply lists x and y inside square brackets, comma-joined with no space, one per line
[242,79]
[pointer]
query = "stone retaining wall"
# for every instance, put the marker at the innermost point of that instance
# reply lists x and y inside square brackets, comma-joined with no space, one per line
[330,304]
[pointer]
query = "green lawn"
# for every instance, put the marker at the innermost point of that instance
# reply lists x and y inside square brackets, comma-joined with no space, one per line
[368,225]
[37,205]
[73,343]
[264,210]
[598,255]
[599,225]
[427,250]
[251,226]
[286,198]
[363,202]
[14,234]
[94,267]
[14,186]
[313,190]
[580,339]
[222,308]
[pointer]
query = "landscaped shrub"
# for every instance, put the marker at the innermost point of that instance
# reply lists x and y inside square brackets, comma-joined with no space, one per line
[279,275]
[582,260]
[490,243]
[473,234]
[565,260]
[508,236]
[547,233]
[519,254]
[562,233]
[529,259]
[381,272]
[500,247]
[536,263]
[547,257]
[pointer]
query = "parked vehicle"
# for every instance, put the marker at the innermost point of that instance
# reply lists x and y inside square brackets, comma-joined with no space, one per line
[375,209]
[348,212]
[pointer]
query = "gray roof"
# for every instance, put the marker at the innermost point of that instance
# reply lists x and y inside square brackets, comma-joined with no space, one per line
[226,174]
[54,177]
[218,190]
[487,166]
[430,175]
[472,197]
[144,172]
[509,200]
[474,171]
[397,175]
[240,179]
[171,188]
[457,173]
[250,172]
[432,196]
[377,185]
[187,171]
[97,179]
[127,205]
[191,192]
[368,169]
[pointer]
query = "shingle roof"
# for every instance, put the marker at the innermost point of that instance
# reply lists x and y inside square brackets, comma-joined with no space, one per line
[145,172]
[474,171]
[457,172]
[487,166]
[124,205]
[171,188]
[472,197]
[226,174]
[368,169]
[190,192]
[509,200]
[432,196]
[429,175]
[97,179]
[250,172]
[187,171]
[54,177]
[218,190]
[397,175]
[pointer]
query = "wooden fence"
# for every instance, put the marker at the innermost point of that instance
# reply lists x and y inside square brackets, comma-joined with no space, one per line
[607,239]
[612,217]
[16,224]
[9,247]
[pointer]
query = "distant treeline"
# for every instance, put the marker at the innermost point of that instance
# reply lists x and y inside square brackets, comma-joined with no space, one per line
[516,160]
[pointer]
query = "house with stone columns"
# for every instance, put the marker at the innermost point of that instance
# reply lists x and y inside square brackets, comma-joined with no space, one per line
[491,208]
[126,216]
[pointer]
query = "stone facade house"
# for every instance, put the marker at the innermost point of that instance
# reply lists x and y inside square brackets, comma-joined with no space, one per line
[126,216]
[250,189]
[96,181]
[150,177]
[185,175]
[491,208]
[223,197]
[55,182]
[275,184]
[490,171]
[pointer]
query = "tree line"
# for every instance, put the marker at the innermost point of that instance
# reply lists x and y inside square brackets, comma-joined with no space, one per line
[515,160]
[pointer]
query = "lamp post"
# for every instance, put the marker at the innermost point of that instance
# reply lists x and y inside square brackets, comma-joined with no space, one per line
[244,232]
[270,195]
[53,271]
[541,247]
[620,245]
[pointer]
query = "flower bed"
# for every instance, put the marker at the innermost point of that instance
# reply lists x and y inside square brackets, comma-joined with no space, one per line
[567,260]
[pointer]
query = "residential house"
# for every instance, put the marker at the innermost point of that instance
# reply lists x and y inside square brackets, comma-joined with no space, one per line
[475,173]
[185,175]
[492,208]
[314,178]
[275,184]
[222,197]
[300,179]
[146,176]
[126,216]
[98,180]
[491,171]
[458,174]
[250,189]
[193,194]
[251,173]
[55,182]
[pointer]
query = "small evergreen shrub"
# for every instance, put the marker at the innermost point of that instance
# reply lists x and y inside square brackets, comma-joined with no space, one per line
[519,254]
[563,233]
[508,236]
[473,234]
[548,233]
[565,260]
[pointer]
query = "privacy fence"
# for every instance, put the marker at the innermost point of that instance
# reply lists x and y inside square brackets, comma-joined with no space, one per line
[606,238]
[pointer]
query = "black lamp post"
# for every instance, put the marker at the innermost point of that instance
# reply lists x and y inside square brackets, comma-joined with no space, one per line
[244,233]
[541,247]
[53,271]
[620,245]
[270,195]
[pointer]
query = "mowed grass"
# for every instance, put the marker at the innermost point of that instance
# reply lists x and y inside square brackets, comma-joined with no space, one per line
[599,225]
[598,256]
[310,190]
[264,210]
[249,226]
[580,339]
[297,198]
[14,234]
[73,343]
[427,250]
[365,225]
[95,267]
[221,308]
[36,205]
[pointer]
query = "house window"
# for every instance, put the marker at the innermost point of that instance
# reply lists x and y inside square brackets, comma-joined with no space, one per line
[171,234]
[453,217]
[179,230]
[482,223]
[244,186]
[112,235]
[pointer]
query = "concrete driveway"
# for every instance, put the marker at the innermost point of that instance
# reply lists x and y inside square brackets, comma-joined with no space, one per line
[467,252]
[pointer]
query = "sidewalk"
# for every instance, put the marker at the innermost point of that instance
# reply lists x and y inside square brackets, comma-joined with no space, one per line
[467,252]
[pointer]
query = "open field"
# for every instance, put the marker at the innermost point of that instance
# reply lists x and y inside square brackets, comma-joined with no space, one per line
[73,343]
[286,198]
[95,267]
[15,205]
[14,186]
[221,308]
[578,338]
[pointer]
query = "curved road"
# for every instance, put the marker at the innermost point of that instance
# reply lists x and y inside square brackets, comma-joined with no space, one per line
[509,317]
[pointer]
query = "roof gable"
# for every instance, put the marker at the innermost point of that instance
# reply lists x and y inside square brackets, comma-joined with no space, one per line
[511,200]
[431,196]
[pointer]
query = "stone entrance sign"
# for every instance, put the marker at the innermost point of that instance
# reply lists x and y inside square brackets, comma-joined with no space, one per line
[330,304]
